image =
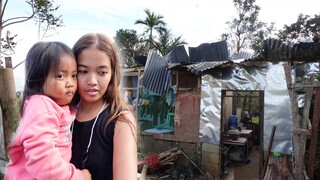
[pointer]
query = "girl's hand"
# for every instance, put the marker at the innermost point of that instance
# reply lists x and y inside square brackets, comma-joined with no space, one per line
[86,174]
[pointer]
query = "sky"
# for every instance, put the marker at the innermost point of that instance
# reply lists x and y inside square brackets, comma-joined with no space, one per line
[198,21]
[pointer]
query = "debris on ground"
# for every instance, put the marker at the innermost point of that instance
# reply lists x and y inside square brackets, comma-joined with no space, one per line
[162,167]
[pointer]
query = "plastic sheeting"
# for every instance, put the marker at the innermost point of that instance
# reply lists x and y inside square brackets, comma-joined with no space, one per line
[268,77]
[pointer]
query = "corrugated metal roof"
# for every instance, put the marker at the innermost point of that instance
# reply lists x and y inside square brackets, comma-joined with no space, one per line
[178,55]
[156,75]
[275,50]
[157,72]
[202,66]
[206,52]
[241,55]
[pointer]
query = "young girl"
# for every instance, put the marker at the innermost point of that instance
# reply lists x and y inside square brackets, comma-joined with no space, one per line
[105,131]
[41,148]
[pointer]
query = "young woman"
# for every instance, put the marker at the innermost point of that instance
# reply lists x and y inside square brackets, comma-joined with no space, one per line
[105,131]
[41,148]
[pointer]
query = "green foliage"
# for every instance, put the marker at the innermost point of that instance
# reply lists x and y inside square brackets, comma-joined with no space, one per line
[305,27]
[167,42]
[130,45]
[259,36]
[164,40]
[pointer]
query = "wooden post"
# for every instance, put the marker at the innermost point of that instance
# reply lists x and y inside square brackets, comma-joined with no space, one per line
[314,134]
[9,104]
[297,139]
[8,62]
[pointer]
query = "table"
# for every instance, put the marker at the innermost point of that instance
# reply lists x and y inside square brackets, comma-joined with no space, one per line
[245,133]
[241,141]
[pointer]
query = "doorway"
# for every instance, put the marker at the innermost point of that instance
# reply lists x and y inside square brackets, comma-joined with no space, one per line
[241,136]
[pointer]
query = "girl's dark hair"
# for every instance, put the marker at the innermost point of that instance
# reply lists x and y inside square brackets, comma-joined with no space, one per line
[112,94]
[42,58]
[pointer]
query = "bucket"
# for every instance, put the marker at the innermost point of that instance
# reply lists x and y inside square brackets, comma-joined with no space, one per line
[233,122]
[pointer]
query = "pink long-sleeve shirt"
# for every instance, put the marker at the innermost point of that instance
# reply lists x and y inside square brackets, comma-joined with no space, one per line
[41,148]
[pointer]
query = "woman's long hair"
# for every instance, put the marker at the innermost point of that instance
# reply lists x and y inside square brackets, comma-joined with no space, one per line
[112,95]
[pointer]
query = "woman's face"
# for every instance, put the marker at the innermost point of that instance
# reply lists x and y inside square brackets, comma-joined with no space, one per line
[94,74]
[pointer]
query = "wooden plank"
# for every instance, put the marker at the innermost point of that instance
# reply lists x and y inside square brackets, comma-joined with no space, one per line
[307,104]
[298,139]
[268,151]
[314,134]
[213,148]
[302,86]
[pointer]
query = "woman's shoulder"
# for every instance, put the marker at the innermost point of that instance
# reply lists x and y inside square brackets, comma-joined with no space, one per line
[127,116]
[125,121]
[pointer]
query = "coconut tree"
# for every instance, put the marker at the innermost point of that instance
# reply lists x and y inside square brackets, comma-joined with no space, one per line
[152,21]
[166,41]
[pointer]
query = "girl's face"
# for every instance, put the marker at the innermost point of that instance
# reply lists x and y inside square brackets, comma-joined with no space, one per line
[62,85]
[94,74]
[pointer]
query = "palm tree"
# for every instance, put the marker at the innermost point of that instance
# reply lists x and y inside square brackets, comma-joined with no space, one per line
[152,22]
[166,42]
[163,43]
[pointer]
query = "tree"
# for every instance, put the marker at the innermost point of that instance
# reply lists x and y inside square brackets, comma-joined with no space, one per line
[41,9]
[8,44]
[305,27]
[258,38]
[45,18]
[244,27]
[151,22]
[166,42]
[130,45]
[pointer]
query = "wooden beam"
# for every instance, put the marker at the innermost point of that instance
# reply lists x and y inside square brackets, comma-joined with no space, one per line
[298,140]
[307,104]
[314,134]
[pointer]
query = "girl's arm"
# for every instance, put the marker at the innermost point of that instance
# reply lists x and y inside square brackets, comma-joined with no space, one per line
[44,160]
[125,149]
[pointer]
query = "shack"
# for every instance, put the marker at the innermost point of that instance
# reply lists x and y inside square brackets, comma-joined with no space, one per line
[188,100]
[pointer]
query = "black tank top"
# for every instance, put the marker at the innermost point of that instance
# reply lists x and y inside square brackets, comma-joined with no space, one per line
[100,153]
